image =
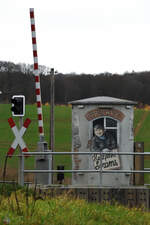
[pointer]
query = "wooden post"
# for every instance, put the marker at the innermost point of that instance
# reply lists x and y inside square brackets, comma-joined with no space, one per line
[138,163]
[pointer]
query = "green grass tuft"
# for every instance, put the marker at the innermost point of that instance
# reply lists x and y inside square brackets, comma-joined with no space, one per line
[23,209]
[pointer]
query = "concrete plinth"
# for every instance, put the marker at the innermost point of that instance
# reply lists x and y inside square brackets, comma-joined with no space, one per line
[43,162]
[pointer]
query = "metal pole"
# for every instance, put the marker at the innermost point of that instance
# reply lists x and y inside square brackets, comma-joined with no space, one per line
[86,171]
[101,168]
[52,136]
[84,153]
[21,159]
[52,111]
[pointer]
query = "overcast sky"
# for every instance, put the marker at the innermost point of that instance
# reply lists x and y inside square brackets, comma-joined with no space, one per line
[82,36]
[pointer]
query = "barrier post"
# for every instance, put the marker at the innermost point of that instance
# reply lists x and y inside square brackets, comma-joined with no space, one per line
[21,159]
[42,162]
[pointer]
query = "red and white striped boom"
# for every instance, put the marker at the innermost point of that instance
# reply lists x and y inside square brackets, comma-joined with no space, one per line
[37,78]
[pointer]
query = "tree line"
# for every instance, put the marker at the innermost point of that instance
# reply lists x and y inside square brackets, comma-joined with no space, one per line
[18,79]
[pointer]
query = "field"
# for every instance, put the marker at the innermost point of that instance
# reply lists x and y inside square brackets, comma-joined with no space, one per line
[62,136]
[31,137]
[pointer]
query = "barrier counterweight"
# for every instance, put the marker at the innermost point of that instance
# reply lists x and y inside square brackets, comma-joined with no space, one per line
[36,73]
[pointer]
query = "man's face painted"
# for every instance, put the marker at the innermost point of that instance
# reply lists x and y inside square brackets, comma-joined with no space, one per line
[98,132]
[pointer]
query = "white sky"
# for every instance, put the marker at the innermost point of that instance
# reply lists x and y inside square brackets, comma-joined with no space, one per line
[89,36]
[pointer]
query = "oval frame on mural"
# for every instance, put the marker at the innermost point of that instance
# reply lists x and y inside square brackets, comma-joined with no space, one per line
[98,112]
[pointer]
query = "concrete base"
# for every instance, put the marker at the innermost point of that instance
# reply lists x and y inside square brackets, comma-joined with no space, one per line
[43,162]
[129,196]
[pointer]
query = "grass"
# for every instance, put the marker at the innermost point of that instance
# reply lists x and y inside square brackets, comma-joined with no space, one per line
[138,113]
[26,208]
[31,137]
[143,135]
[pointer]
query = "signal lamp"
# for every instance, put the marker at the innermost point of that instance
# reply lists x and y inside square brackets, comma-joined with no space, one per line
[18,105]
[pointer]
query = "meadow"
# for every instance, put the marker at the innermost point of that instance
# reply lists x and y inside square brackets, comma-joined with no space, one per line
[31,137]
[62,135]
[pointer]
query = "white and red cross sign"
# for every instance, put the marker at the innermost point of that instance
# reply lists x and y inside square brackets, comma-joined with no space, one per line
[18,134]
